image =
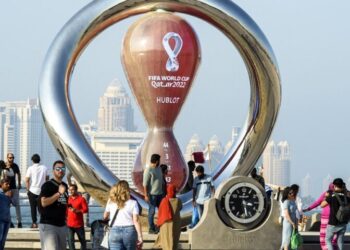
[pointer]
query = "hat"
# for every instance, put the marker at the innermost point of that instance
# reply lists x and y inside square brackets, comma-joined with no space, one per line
[338,182]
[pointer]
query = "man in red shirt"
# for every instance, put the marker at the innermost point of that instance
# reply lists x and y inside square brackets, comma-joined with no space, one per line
[75,221]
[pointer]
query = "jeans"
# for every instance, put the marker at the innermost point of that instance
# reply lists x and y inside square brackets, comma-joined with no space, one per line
[15,203]
[200,208]
[33,201]
[122,238]
[81,236]
[339,231]
[154,201]
[4,228]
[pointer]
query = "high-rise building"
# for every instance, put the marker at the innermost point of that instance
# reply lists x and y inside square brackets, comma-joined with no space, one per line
[115,112]
[326,182]
[214,153]
[276,163]
[23,133]
[117,150]
[234,137]
[306,186]
[194,145]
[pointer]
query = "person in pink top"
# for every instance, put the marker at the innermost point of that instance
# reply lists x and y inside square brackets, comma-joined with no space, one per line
[324,219]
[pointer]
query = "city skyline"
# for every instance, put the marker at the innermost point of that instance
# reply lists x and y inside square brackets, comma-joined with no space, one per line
[312,53]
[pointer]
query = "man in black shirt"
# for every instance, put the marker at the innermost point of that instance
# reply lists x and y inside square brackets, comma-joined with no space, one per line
[334,225]
[12,171]
[53,199]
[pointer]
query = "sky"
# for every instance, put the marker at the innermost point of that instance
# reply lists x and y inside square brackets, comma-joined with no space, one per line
[310,41]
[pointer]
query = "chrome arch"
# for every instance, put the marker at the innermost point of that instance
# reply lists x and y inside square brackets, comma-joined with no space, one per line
[64,52]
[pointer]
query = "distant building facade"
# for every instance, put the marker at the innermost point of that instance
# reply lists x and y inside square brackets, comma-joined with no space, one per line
[117,150]
[115,112]
[22,132]
[306,186]
[277,163]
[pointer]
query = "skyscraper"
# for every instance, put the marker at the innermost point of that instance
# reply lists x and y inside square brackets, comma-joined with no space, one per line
[23,133]
[276,163]
[194,145]
[214,153]
[115,112]
[306,186]
[326,181]
[234,137]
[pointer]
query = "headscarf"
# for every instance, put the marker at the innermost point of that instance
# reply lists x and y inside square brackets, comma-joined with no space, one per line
[165,213]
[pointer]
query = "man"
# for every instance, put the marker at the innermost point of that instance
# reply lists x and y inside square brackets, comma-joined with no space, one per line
[83,192]
[5,217]
[189,184]
[153,189]
[35,177]
[53,208]
[258,178]
[75,221]
[11,171]
[203,189]
[164,169]
[334,225]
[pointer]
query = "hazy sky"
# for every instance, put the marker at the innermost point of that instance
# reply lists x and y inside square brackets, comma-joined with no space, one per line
[310,40]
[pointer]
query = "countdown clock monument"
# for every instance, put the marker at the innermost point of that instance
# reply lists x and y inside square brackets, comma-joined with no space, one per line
[160,56]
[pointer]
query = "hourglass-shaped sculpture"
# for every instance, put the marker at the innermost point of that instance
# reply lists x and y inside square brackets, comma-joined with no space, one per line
[160,56]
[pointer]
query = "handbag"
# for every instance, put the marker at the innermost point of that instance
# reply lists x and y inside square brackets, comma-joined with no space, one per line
[104,242]
[296,240]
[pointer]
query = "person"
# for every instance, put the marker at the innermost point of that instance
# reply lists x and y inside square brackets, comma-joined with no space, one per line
[189,184]
[2,168]
[5,217]
[125,233]
[153,189]
[258,178]
[169,220]
[36,176]
[83,192]
[11,171]
[324,217]
[203,189]
[53,208]
[290,221]
[335,227]
[77,206]
[298,201]
[164,169]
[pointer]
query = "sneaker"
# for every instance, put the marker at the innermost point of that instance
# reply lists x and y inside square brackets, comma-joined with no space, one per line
[152,231]
[12,226]
[34,225]
[19,225]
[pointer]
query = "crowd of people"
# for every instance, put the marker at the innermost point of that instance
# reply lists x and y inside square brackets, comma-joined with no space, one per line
[64,208]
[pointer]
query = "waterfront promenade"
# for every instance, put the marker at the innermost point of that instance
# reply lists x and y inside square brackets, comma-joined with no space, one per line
[26,238]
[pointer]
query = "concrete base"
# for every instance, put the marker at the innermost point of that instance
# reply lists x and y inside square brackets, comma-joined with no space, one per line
[212,233]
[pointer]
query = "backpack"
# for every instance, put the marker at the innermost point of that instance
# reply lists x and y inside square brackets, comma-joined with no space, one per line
[343,213]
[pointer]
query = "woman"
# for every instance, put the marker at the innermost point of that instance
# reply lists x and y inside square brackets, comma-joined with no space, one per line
[169,221]
[125,233]
[324,219]
[290,221]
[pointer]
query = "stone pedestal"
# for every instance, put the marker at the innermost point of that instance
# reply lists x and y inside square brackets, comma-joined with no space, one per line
[212,233]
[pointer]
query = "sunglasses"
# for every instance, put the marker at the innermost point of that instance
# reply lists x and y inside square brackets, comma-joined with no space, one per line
[10,157]
[60,169]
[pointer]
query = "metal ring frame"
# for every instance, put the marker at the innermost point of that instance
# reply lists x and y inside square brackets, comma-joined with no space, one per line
[64,52]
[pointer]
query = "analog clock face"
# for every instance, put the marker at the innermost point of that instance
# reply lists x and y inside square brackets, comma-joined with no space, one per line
[244,203]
